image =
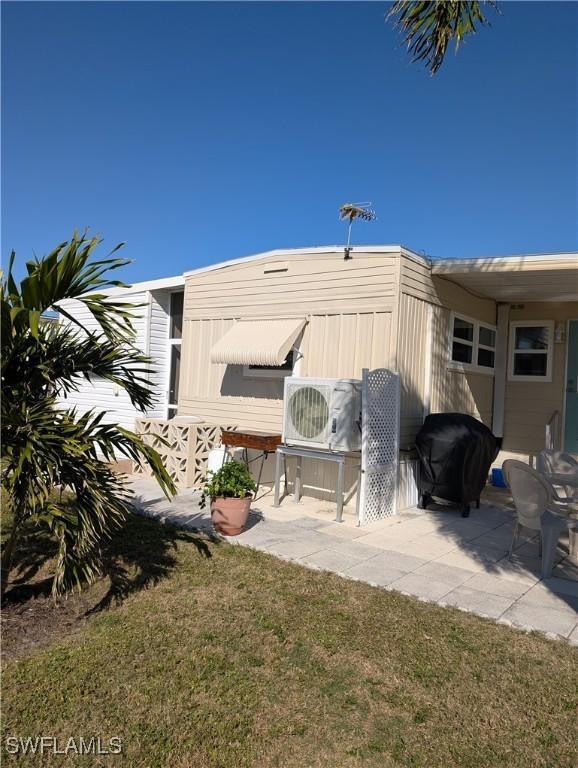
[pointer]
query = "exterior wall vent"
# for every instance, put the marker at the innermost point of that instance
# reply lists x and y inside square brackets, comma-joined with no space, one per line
[276,267]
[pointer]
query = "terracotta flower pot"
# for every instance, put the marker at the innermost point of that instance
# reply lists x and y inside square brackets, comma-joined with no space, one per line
[230,515]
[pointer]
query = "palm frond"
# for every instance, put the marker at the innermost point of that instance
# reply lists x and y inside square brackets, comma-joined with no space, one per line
[46,447]
[429,27]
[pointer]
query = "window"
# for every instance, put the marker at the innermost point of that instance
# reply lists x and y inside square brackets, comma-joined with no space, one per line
[463,341]
[486,346]
[175,338]
[174,373]
[176,315]
[272,372]
[531,350]
[472,344]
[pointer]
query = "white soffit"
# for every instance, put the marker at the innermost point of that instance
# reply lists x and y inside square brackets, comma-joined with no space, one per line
[548,277]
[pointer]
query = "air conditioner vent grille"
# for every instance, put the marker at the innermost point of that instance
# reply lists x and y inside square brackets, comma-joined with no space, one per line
[308,412]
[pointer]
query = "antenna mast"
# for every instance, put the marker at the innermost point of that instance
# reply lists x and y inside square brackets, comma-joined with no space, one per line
[351,211]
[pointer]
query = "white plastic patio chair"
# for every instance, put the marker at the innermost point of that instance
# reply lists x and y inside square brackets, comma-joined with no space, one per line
[536,509]
[561,469]
[557,463]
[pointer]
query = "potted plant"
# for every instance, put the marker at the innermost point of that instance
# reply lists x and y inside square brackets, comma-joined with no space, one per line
[230,490]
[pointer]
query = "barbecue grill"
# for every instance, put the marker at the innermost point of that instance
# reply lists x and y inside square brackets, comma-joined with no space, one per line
[455,452]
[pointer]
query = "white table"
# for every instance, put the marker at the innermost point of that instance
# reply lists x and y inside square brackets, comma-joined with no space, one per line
[283,451]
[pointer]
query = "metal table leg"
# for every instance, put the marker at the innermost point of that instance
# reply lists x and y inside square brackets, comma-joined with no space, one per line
[285,475]
[263,458]
[358,496]
[297,494]
[278,461]
[339,492]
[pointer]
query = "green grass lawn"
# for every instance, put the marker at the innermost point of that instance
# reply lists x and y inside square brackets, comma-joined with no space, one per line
[204,654]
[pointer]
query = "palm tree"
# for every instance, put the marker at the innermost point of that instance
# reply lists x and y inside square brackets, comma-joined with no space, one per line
[55,461]
[429,27]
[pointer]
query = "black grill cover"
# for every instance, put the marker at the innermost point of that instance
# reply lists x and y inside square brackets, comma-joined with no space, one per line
[456,452]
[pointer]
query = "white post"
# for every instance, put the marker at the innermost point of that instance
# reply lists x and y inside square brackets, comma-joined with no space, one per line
[428,362]
[500,368]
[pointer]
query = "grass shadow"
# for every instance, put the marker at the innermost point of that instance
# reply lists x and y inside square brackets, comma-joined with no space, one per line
[140,554]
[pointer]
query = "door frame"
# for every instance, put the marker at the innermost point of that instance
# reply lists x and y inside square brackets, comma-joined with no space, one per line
[565,383]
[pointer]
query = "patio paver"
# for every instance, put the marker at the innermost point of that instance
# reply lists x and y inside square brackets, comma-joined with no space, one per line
[446,573]
[435,555]
[376,570]
[401,561]
[542,618]
[356,549]
[330,560]
[478,602]
[494,585]
[423,586]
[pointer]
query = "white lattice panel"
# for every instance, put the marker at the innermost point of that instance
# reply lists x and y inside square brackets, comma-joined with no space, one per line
[379,445]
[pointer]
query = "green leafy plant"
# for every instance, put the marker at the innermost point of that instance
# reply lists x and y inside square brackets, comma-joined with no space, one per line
[49,452]
[429,27]
[232,481]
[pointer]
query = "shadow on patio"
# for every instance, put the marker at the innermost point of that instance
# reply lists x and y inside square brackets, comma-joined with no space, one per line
[434,555]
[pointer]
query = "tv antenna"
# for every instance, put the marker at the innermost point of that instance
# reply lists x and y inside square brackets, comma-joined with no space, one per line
[351,211]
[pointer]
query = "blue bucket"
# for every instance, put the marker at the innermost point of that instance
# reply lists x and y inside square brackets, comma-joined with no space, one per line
[498,479]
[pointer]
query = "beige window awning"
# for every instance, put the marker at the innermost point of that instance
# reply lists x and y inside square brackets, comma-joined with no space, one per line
[258,342]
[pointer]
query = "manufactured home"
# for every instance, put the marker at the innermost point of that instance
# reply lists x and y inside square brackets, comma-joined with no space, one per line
[158,311]
[493,338]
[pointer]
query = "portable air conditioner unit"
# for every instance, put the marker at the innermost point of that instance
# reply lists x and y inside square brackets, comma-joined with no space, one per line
[322,413]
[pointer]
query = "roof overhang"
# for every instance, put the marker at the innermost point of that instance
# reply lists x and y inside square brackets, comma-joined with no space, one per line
[538,277]
[296,253]
[163,283]
[258,342]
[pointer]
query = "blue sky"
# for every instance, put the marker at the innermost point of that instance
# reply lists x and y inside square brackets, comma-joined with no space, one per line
[200,132]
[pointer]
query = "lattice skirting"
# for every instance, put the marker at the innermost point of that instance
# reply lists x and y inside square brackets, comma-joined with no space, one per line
[183,447]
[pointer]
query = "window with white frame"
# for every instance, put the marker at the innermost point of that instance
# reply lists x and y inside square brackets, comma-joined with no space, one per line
[472,344]
[272,372]
[531,350]
[175,339]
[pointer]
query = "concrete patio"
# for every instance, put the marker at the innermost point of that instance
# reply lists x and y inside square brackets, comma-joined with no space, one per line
[434,555]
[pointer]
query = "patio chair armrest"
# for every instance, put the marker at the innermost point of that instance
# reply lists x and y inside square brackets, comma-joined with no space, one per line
[565,499]
[564,511]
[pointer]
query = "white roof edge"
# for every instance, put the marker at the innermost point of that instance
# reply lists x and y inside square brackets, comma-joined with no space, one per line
[420,258]
[287,253]
[148,285]
[458,265]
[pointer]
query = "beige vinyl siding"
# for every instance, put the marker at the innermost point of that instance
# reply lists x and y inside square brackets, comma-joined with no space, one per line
[451,390]
[416,280]
[341,346]
[529,405]
[324,281]
[333,346]
[348,306]
[411,365]
[456,391]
